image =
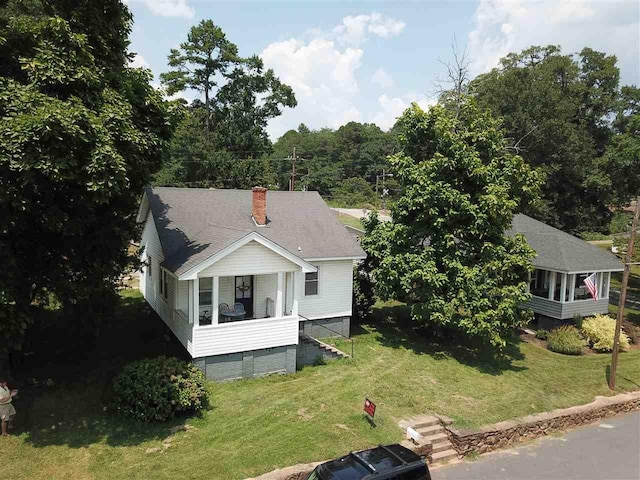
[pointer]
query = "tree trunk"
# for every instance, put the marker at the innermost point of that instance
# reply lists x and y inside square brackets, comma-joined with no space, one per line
[207,127]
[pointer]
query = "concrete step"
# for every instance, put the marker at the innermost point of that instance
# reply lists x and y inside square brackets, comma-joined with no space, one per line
[427,422]
[444,456]
[438,438]
[441,447]
[431,430]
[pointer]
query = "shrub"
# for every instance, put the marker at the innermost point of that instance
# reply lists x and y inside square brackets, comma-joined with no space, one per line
[542,334]
[363,296]
[577,321]
[319,360]
[565,339]
[156,389]
[600,331]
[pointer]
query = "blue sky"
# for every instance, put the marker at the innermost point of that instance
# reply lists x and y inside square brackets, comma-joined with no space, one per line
[367,61]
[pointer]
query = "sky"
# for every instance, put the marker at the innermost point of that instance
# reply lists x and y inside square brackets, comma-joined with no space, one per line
[367,61]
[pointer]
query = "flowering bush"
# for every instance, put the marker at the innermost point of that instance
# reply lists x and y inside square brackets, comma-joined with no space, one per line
[156,389]
[600,331]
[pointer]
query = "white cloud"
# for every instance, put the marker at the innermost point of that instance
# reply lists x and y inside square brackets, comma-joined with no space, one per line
[322,70]
[189,96]
[167,8]
[503,26]
[139,62]
[354,30]
[323,79]
[382,78]
[392,107]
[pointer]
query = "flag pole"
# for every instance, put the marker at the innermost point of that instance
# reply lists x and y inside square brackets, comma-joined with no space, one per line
[623,296]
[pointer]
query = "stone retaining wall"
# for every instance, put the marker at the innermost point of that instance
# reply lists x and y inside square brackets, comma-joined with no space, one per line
[506,433]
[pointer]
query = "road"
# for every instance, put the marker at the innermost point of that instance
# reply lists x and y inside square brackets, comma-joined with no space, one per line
[607,450]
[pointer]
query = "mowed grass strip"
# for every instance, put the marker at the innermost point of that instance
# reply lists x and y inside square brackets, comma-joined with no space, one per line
[257,425]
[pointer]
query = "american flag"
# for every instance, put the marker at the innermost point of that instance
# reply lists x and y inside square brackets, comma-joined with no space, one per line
[591,283]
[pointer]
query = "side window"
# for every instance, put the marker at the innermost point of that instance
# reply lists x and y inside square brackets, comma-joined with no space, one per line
[311,281]
[163,284]
[417,474]
[149,265]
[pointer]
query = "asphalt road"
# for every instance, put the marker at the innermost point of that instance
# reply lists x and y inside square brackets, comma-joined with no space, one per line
[607,450]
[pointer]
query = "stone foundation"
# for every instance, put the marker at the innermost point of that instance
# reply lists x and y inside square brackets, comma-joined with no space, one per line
[327,327]
[507,433]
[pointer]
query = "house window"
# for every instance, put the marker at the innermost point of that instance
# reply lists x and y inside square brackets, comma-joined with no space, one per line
[580,291]
[311,281]
[539,286]
[557,291]
[149,265]
[604,284]
[206,292]
[163,283]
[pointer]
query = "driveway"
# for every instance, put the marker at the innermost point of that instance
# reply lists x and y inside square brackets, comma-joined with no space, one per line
[609,449]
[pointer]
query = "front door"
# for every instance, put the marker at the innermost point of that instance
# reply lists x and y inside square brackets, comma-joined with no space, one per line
[244,293]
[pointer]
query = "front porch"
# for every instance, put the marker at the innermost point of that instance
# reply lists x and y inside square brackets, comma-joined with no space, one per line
[563,295]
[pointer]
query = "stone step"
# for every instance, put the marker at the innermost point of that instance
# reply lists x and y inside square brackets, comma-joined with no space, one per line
[431,430]
[444,456]
[438,438]
[426,422]
[441,447]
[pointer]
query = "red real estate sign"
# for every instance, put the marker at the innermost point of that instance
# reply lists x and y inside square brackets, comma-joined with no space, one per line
[369,407]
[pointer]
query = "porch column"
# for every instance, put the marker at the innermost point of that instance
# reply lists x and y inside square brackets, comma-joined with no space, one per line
[215,290]
[296,293]
[571,286]
[280,296]
[563,288]
[552,284]
[196,301]
[606,284]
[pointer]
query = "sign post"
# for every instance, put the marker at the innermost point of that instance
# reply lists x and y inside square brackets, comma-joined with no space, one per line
[370,411]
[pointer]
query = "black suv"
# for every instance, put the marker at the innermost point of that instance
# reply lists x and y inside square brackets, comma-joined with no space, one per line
[390,462]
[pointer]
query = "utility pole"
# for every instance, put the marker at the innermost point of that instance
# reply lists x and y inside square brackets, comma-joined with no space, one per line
[292,186]
[623,296]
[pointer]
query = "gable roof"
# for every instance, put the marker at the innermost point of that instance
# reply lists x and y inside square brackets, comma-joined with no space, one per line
[196,224]
[559,251]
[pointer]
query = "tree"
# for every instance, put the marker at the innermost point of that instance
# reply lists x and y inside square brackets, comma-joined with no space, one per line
[557,111]
[206,55]
[238,93]
[80,135]
[447,252]
[354,192]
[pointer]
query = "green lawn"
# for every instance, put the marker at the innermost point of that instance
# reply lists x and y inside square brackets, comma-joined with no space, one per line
[351,221]
[257,425]
[634,281]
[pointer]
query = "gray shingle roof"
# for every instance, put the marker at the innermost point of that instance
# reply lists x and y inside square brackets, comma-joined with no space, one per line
[194,224]
[557,250]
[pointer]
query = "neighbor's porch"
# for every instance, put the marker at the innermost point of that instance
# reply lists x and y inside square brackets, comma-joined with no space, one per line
[563,295]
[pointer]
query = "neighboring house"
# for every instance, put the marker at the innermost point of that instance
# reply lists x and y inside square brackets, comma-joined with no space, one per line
[283,256]
[561,264]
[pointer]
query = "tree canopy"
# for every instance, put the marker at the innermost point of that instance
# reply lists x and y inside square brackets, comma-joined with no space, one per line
[81,135]
[447,252]
[557,111]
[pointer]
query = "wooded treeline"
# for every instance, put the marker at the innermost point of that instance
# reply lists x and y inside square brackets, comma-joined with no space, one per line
[566,114]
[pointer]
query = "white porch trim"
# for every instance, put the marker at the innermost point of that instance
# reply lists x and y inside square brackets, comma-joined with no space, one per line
[192,273]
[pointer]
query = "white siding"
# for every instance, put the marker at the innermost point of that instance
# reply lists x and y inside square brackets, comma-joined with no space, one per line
[266,287]
[250,259]
[183,297]
[150,244]
[245,336]
[150,287]
[334,291]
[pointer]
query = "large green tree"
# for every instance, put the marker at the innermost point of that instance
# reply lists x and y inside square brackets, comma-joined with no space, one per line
[240,96]
[81,133]
[447,252]
[557,111]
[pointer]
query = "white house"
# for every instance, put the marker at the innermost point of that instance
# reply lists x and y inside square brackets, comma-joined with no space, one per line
[282,258]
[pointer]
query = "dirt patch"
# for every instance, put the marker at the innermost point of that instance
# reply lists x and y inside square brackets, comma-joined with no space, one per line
[303,415]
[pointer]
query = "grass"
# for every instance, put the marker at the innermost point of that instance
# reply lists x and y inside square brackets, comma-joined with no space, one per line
[351,221]
[633,289]
[257,425]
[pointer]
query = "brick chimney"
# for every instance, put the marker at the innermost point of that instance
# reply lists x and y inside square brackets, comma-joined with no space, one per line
[259,207]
